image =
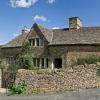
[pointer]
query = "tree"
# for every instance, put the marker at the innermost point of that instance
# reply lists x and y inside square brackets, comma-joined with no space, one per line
[24,58]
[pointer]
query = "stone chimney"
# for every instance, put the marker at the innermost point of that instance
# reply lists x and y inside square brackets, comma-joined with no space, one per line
[25,30]
[75,23]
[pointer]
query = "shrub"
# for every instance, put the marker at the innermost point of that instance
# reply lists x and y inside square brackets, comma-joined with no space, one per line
[2,66]
[19,88]
[98,72]
[88,60]
[24,59]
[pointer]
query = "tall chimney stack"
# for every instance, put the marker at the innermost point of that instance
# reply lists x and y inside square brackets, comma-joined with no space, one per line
[75,23]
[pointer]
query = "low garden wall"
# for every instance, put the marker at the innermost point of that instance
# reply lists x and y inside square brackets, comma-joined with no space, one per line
[78,77]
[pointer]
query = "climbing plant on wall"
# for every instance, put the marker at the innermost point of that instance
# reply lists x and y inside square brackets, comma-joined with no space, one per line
[24,58]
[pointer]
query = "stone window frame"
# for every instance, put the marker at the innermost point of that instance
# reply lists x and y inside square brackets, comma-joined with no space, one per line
[40,62]
[36,42]
[10,60]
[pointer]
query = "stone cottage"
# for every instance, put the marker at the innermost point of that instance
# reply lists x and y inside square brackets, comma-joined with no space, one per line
[55,48]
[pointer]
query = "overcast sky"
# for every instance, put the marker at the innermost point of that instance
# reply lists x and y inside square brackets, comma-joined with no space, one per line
[15,14]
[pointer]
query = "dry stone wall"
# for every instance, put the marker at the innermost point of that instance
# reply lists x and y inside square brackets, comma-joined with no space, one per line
[78,77]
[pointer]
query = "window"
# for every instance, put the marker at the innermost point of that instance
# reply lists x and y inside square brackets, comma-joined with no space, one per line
[36,42]
[47,62]
[10,60]
[32,42]
[41,42]
[34,62]
[40,62]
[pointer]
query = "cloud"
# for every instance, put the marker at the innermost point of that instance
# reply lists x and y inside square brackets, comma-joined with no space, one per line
[55,28]
[22,3]
[41,18]
[51,1]
[15,34]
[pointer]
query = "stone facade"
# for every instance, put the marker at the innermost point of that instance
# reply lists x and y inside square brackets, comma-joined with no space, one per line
[72,52]
[41,81]
[60,47]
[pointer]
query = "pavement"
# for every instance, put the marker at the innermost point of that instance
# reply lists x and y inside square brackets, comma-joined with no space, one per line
[3,90]
[87,94]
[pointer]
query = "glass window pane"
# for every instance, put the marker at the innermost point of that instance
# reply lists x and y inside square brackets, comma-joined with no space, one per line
[30,42]
[38,62]
[47,62]
[37,42]
[34,62]
[33,42]
[42,62]
[41,42]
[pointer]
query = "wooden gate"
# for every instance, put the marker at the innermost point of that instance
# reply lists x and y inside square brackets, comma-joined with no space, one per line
[8,79]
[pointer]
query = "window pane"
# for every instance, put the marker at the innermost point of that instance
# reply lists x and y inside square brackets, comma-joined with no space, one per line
[34,62]
[38,62]
[47,62]
[33,42]
[41,42]
[37,42]
[42,62]
[30,42]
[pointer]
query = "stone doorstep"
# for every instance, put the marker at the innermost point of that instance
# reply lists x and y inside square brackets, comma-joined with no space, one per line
[3,90]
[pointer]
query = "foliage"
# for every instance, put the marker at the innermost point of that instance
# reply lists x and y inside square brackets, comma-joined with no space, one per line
[19,88]
[2,66]
[24,58]
[15,67]
[88,60]
[98,72]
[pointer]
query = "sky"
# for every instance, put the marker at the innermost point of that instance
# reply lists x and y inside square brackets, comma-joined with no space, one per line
[15,14]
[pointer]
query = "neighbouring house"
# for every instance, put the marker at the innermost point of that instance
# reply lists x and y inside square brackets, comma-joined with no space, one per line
[55,48]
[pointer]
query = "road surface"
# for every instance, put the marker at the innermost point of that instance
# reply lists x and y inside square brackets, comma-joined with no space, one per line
[89,94]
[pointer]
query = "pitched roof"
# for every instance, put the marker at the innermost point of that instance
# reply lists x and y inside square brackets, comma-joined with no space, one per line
[84,35]
[17,42]
[46,32]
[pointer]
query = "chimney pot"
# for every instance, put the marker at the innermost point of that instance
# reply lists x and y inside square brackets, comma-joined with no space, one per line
[25,29]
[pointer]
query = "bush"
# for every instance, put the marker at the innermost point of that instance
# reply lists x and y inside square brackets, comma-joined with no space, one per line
[19,88]
[24,59]
[2,66]
[88,60]
[98,72]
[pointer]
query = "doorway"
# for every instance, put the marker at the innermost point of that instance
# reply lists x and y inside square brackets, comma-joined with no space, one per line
[58,63]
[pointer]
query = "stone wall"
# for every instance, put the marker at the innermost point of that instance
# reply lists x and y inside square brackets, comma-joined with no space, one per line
[79,77]
[72,52]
